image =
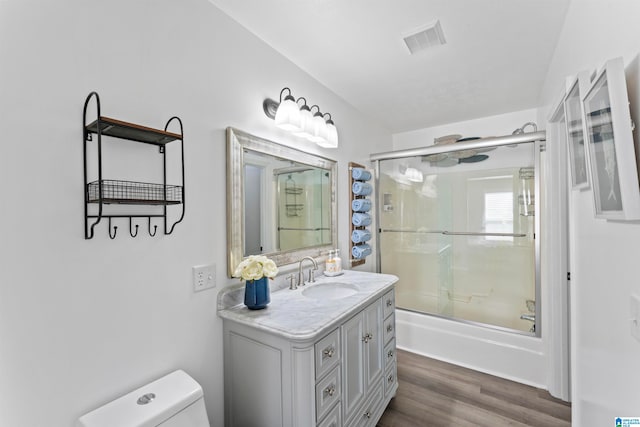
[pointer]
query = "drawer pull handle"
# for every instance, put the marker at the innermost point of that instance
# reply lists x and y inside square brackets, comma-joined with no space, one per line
[330,391]
[389,328]
[389,354]
[367,337]
[389,303]
[328,352]
[367,414]
[390,378]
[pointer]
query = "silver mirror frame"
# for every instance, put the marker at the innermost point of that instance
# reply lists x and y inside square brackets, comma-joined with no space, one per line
[237,142]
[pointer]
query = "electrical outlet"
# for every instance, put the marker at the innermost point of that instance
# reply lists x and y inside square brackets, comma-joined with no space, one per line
[204,277]
[635,316]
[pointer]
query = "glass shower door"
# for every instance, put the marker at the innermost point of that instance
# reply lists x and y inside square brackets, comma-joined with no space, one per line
[460,235]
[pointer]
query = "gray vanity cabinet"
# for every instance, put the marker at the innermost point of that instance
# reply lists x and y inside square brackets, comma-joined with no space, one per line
[345,376]
[373,346]
[362,358]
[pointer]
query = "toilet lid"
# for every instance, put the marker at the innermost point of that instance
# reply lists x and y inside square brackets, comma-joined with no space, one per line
[171,394]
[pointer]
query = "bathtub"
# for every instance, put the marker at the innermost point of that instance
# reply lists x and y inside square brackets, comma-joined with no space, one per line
[505,354]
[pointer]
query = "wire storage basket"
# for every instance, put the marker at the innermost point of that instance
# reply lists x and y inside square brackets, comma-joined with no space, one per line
[131,192]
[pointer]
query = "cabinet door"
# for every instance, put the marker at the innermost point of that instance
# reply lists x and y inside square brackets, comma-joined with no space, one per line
[374,344]
[353,360]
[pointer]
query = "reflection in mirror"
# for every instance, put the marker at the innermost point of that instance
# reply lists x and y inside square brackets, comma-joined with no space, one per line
[280,201]
[287,204]
[303,207]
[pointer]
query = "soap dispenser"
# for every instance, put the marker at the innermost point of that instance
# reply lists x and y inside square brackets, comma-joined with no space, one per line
[330,265]
[337,261]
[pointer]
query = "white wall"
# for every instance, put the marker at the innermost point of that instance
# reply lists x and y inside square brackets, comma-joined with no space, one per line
[604,254]
[500,125]
[83,321]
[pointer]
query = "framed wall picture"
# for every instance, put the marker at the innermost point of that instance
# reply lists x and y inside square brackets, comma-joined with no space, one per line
[612,152]
[578,153]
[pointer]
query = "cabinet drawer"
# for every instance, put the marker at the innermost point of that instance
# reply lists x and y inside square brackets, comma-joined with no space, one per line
[390,379]
[334,419]
[328,392]
[371,410]
[389,303]
[389,328]
[327,352]
[389,354]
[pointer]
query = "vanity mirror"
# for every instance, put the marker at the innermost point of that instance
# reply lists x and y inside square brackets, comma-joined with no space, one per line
[281,202]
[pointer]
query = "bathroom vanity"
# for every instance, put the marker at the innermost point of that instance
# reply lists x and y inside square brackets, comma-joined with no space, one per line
[321,355]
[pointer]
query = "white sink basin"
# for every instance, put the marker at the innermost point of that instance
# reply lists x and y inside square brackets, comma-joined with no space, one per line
[330,290]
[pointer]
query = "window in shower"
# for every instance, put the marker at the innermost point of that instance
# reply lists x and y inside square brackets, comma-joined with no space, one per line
[462,240]
[493,195]
[498,215]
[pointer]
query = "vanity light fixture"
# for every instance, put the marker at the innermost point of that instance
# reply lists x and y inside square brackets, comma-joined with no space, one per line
[318,127]
[332,135]
[306,127]
[299,119]
[288,116]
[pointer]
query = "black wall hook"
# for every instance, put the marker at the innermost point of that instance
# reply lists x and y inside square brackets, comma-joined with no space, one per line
[130,231]
[115,230]
[155,228]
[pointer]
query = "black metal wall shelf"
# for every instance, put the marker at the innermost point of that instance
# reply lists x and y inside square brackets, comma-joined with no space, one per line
[103,192]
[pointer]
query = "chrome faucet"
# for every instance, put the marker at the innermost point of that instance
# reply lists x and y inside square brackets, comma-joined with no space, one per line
[301,281]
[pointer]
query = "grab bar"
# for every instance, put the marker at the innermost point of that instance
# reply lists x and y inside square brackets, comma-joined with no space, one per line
[453,233]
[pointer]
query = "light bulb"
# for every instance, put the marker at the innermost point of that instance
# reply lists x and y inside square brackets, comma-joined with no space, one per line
[332,136]
[288,115]
[306,125]
[319,135]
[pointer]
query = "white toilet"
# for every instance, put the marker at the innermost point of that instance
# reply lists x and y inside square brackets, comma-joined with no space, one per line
[175,400]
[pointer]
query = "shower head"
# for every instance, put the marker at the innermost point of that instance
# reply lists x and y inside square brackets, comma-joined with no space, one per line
[521,129]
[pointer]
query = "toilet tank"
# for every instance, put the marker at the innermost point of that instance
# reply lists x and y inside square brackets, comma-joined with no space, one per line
[175,400]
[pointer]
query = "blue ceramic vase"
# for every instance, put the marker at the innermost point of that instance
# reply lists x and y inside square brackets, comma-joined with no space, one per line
[256,294]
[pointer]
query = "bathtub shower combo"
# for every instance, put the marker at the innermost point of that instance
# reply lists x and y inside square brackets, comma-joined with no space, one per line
[459,225]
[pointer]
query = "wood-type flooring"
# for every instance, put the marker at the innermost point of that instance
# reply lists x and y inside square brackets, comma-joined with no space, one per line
[439,394]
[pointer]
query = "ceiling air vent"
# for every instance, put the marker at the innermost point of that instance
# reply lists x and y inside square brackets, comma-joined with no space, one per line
[424,38]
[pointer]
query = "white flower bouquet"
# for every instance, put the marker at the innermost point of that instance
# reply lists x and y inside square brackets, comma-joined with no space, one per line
[256,267]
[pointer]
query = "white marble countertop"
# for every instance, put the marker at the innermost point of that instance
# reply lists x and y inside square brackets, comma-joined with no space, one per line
[295,316]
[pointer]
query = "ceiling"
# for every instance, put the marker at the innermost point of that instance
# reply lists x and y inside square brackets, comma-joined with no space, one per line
[495,59]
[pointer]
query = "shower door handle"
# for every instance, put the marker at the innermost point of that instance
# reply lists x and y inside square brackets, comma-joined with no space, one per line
[453,233]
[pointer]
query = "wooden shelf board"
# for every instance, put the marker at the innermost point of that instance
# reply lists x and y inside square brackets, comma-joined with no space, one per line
[131,131]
